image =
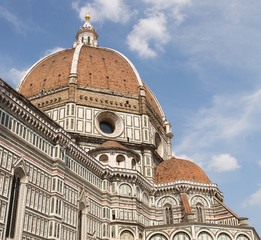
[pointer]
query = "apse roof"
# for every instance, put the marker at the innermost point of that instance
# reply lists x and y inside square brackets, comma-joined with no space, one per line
[176,169]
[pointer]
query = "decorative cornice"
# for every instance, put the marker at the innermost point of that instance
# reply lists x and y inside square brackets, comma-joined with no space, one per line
[49,92]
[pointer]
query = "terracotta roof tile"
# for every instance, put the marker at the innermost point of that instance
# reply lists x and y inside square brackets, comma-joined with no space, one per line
[111,144]
[185,203]
[179,169]
[103,68]
[97,67]
[50,73]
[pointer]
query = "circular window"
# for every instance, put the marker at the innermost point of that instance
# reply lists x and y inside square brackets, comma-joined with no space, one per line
[120,158]
[107,127]
[104,158]
[109,124]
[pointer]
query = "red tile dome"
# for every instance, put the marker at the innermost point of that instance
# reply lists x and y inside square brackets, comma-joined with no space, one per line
[176,169]
[95,67]
[49,73]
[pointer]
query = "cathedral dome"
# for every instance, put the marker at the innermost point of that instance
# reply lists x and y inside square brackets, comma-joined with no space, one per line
[176,169]
[88,66]
[95,92]
[96,67]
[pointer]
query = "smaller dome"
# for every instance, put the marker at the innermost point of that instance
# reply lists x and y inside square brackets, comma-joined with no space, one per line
[179,169]
[112,146]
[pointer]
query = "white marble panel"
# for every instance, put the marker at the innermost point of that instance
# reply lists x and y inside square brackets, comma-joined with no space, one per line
[136,122]
[137,134]
[80,112]
[128,120]
[3,211]
[80,126]
[55,115]
[88,127]
[129,133]
[88,114]
[62,113]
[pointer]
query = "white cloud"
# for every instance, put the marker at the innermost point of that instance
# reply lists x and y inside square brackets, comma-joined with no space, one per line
[183,156]
[223,126]
[259,163]
[226,119]
[194,157]
[52,50]
[254,199]
[173,8]
[163,4]
[148,36]
[151,33]
[223,32]
[14,76]
[11,18]
[100,10]
[223,163]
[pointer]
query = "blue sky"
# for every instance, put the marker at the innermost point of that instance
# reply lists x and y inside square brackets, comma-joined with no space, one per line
[201,58]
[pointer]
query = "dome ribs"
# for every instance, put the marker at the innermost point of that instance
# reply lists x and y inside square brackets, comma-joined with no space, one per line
[100,69]
[97,67]
[48,68]
[108,71]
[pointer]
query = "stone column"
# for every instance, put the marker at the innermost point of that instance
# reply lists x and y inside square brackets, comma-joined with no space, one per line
[21,209]
[84,224]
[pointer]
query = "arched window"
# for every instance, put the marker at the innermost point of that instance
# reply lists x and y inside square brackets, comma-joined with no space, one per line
[223,236]
[82,216]
[199,213]
[126,235]
[13,202]
[158,237]
[104,230]
[204,236]
[181,236]
[125,190]
[158,144]
[89,40]
[113,232]
[51,229]
[140,236]
[120,159]
[168,214]
[133,163]
[242,237]
[145,199]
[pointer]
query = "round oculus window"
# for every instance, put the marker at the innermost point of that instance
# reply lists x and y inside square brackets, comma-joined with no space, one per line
[109,124]
[107,127]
